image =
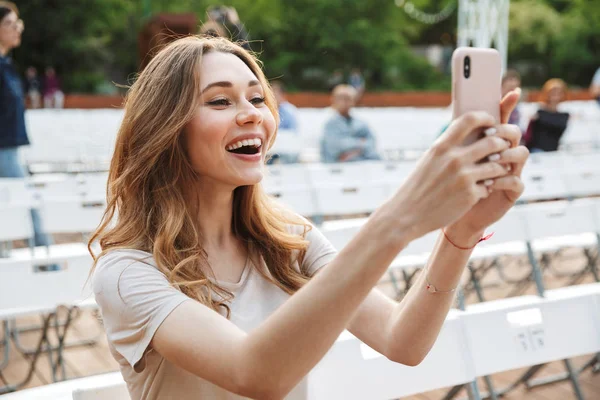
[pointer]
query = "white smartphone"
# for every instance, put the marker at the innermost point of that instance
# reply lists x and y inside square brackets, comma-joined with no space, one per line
[476,83]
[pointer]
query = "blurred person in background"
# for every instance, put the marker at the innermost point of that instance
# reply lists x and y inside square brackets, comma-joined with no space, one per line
[346,138]
[547,125]
[595,86]
[13,133]
[53,95]
[288,123]
[224,21]
[510,81]
[33,87]
[288,113]
[211,289]
[357,81]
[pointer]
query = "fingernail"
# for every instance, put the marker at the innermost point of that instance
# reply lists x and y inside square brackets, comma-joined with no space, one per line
[490,131]
[488,182]
[494,157]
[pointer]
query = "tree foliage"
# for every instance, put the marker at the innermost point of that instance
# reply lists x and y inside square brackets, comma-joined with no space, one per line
[94,42]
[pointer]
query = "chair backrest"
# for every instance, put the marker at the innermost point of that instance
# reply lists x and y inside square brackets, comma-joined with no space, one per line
[352,370]
[582,175]
[560,218]
[71,216]
[15,223]
[115,391]
[14,191]
[519,332]
[59,187]
[26,284]
[93,187]
[350,198]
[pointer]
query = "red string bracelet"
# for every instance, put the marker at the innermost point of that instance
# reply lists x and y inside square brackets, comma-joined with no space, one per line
[484,238]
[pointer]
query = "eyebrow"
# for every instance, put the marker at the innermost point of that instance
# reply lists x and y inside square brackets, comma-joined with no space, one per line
[227,84]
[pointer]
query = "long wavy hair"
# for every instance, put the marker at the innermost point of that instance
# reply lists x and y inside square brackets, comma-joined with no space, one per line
[149,171]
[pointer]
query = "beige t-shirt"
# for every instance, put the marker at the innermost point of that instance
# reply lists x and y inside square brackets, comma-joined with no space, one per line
[135,298]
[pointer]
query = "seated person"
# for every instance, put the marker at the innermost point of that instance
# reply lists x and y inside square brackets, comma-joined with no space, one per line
[346,138]
[288,113]
[548,124]
[288,124]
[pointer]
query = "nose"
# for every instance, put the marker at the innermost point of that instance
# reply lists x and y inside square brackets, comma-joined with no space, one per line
[248,114]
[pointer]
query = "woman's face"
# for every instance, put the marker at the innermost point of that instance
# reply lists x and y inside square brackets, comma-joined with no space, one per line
[555,95]
[10,31]
[227,139]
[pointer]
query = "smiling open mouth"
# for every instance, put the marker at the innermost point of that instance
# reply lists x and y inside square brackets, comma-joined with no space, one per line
[248,146]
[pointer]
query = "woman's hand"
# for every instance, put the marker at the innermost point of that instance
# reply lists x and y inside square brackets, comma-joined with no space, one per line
[505,190]
[449,180]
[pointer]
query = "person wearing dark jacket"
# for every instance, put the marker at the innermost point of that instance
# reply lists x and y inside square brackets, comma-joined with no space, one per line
[547,125]
[13,133]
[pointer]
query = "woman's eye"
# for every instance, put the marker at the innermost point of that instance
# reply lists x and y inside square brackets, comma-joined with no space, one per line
[219,102]
[258,100]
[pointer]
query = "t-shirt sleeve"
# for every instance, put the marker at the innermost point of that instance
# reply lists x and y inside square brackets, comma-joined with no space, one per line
[134,299]
[320,251]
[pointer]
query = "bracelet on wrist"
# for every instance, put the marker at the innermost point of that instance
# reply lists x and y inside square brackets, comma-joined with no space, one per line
[483,238]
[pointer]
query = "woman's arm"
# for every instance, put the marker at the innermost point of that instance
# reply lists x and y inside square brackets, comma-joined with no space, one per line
[270,360]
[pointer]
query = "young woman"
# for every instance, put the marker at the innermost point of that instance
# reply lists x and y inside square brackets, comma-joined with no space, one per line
[547,125]
[211,290]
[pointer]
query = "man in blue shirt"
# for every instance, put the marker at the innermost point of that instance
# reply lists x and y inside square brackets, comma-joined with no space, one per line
[346,138]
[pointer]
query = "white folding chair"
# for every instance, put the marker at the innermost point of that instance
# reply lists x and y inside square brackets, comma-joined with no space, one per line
[71,216]
[527,331]
[94,187]
[59,187]
[582,175]
[16,223]
[346,188]
[557,225]
[352,370]
[28,287]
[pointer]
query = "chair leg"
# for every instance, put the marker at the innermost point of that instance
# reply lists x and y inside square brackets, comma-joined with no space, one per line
[33,361]
[5,344]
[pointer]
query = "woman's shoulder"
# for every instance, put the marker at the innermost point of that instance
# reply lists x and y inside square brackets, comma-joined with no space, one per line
[113,265]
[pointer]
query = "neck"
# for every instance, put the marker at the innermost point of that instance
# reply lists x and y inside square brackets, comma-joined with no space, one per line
[551,107]
[215,211]
[3,51]
[344,114]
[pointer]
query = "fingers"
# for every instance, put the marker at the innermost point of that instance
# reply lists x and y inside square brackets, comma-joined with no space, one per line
[497,140]
[487,171]
[512,186]
[508,104]
[517,157]
[462,127]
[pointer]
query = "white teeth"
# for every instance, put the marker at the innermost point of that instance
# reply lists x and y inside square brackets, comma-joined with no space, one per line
[256,142]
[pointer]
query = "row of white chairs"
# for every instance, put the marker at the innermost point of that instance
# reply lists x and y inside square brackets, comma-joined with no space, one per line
[353,188]
[333,189]
[526,331]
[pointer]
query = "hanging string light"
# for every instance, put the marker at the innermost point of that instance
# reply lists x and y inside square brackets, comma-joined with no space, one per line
[426,18]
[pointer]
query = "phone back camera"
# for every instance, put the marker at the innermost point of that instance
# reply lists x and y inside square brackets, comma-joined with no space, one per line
[467,67]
